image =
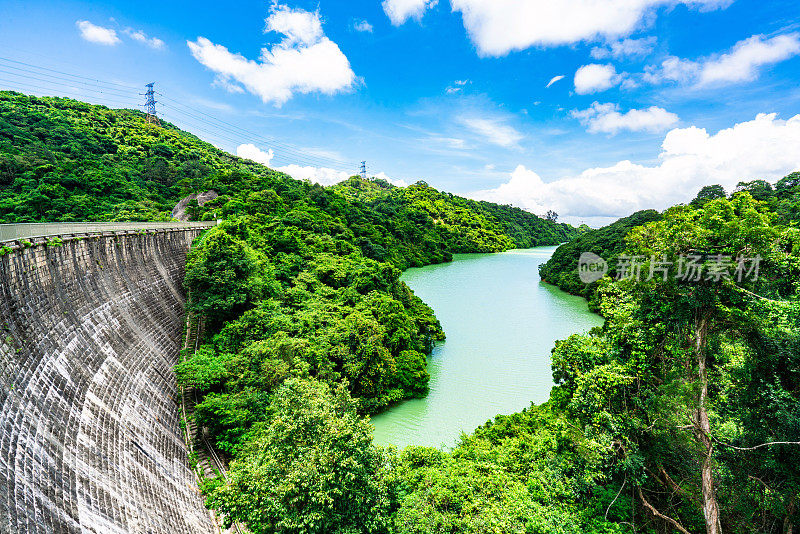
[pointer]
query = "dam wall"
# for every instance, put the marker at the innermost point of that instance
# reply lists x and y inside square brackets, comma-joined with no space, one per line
[90,440]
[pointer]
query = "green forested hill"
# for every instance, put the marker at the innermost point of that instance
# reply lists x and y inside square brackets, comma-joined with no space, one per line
[608,242]
[466,225]
[64,160]
[682,413]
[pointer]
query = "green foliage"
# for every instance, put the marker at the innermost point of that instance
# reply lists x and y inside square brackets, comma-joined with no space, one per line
[308,328]
[63,160]
[758,189]
[226,276]
[607,242]
[310,469]
[707,193]
[674,353]
[526,472]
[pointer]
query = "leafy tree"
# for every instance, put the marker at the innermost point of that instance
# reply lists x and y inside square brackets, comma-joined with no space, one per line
[226,276]
[311,468]
[758,189]
[708,193]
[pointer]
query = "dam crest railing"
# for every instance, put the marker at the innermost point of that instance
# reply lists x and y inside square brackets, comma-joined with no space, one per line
[9,233]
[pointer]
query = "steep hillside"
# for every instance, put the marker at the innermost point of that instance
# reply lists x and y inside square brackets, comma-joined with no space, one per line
[64,160]
[466,225]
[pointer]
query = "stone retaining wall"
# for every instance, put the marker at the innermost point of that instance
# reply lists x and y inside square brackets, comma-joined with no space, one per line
[89,426]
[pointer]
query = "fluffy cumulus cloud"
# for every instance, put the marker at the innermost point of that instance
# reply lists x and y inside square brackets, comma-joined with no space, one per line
[763,148]
[555,79]
[400,11]
[326,176]
[626,48]
[251,151]
[304,61]
[593,78]
[607,118]
[319,175]
[742,63]
[140,36]
[97,34]
[498,27]
[495,130]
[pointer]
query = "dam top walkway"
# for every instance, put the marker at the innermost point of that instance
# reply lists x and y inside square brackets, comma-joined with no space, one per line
[18,231]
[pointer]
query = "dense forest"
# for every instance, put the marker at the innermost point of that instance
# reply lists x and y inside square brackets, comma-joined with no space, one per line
[609,242]
[680,414]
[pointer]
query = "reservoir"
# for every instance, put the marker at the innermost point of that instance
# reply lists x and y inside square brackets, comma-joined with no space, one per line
[501,323]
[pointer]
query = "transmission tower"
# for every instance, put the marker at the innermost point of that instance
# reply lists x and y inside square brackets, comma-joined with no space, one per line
[363,170]
[150,104]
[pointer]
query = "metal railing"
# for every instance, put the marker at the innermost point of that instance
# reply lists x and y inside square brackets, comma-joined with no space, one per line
[13,232]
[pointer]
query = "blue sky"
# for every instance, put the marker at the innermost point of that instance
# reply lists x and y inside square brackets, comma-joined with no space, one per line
[658,97]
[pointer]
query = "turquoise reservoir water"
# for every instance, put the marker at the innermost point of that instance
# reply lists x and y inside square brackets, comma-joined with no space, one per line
[501,322]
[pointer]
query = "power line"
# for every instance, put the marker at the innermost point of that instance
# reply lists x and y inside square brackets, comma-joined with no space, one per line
[70,84]
[49,91]
[284,151]
[68,74]
[267,139]
[289,156]
[239,130]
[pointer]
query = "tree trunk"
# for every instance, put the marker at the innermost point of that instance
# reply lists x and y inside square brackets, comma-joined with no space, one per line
[702,428]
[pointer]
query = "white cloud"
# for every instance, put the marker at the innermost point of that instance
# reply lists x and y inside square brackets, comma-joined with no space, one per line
[251,151]
[498,27]
[495,130]
[326,176]
[690,158]
[97,34]
[672,69]
[741,64]
[394,181]
[593,78]
[362,26]
[319,175]
[400,11]
[607,118]
[625,48]
[139,35]
[555,79]
[304,61]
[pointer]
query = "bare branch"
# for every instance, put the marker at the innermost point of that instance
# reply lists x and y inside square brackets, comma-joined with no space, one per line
[767,444]
[616,497]
[659,514]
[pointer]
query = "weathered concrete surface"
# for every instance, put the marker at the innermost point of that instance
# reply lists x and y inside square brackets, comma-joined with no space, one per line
[89,427]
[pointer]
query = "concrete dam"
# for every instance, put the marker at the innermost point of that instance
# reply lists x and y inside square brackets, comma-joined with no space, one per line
[90,327]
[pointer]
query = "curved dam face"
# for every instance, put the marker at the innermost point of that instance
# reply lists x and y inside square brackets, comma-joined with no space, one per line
[90,439]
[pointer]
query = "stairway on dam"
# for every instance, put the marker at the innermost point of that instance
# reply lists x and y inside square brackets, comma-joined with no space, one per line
[90,327]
